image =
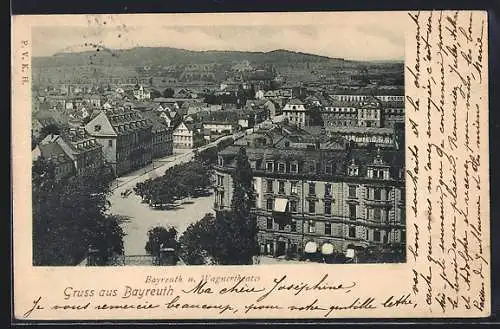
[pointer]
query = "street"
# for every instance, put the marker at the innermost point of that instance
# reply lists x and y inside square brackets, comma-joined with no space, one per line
[142,217]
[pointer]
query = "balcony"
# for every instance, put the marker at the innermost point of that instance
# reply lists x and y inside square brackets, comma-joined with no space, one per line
[380,203]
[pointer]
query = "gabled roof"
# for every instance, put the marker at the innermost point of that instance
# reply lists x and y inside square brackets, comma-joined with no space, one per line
[154,119]
[100,126]
[53,151]
[295,101]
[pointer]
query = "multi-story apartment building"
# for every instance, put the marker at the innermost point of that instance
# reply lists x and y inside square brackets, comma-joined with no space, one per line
[296,113]
[79,151]
[186,136]
[82,149]
[125,136]
[380,111]
[309,200]
[53,152]
[161,134]
[140,93]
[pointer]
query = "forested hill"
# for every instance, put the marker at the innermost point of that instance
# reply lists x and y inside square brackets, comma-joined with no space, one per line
[162,55]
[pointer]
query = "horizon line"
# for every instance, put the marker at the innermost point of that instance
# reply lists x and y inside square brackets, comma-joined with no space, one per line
[219,50]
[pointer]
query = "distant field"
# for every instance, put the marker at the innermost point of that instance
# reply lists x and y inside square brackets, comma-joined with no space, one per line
[167,65]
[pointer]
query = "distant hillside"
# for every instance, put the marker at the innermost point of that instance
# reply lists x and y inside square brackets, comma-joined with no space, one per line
[165,56]
[161,66]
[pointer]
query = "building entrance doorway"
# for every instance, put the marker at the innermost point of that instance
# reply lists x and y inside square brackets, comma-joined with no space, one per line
[280,248]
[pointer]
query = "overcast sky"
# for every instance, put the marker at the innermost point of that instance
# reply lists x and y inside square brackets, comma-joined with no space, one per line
[372,37]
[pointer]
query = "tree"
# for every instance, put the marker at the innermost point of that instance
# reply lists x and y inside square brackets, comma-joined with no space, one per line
[178,182]
[316,119]
[251,92]
[68,215]
[237,229]
[197,242]
[160,237]
[155,94]
[108,239]
[50,129]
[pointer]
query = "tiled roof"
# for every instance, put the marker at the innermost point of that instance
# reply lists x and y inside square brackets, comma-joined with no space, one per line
[358,130]
[398,91]
[393,104]
[124,120]
[54,152]
[154,119]
[79,141]
[340,158]
[295,101]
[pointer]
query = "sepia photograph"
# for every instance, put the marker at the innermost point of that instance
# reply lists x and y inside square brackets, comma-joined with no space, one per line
[254,147]
[251,166]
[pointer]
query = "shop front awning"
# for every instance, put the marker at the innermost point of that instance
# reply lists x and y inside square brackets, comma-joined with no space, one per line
[280,205]
[327,249]
[311,247]
[349,253]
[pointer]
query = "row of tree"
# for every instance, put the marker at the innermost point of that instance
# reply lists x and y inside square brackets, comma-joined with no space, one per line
[69,217]
[229,237]
[189,179]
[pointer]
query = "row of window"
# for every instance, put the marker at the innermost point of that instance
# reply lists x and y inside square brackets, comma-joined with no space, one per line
[182,138]
[327,229]
[293,206]
[316,168]
[374,214]
[369,114]
[313,167]
[343,109]
[293,188]
[374,193]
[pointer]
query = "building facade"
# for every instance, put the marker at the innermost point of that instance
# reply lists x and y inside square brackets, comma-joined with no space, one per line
[382,111]
[52,152]
[296,113]
[309,200]
[183,136]
[125,136]
[83,151]
[161,135]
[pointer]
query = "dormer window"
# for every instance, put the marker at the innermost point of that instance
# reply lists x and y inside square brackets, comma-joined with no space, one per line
[269,166]
[220,161]
[312,167]
[294,168]
[329,168]
[281,167]
[353,169]
[377,173]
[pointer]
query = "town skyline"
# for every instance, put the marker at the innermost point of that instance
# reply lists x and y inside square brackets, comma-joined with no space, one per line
[94,47]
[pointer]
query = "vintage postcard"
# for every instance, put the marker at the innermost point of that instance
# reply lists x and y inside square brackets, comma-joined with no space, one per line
[251,166]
